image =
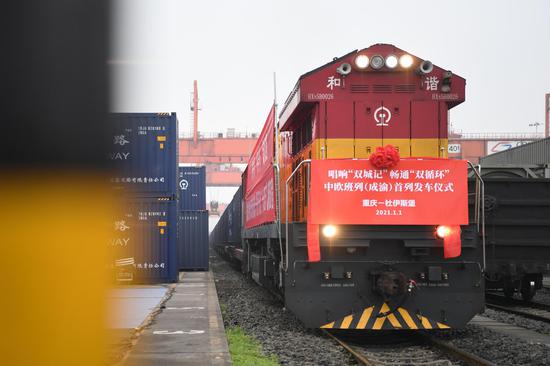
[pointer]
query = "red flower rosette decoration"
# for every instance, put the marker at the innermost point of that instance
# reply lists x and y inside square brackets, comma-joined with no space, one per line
[385,157]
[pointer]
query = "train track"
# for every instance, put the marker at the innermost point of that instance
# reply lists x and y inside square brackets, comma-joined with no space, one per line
[418,349]
[531,310]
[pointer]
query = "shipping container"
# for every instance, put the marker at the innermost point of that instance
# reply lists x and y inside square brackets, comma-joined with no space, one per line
[144,241]
[537,152]
[192,188]
[193,240]
[144,153]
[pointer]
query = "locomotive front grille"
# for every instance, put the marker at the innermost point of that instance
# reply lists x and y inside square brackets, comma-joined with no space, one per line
[355,88]
[405,88]
[382,88]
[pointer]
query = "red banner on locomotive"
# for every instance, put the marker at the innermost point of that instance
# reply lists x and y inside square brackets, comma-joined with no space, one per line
[260,188]
[416,192]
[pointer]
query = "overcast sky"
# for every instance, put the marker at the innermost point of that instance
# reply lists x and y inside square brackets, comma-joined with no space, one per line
[232,48]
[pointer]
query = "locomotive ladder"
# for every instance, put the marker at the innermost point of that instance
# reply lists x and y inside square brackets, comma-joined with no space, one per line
[303,162]
[479,207]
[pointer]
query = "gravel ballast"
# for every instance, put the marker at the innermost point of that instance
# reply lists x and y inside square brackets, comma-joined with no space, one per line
[262,316]
[498,348]
[542,296]
[518,320]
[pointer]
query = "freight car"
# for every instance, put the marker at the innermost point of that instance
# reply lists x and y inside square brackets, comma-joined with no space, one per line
[517,226]
[226,236]
[347,235]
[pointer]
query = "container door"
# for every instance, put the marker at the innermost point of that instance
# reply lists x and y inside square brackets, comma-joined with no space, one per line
[193,240]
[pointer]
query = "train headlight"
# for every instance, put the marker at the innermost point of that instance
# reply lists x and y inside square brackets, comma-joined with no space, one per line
[391,61]
[362,61]
[406,61]
[329,231]
[442,231]
[377,62]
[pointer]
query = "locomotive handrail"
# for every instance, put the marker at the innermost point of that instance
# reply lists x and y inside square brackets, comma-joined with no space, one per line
[277,170]
[479,206]
[306,161]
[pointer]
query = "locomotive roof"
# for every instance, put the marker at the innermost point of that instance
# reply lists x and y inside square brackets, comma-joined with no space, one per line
[383,49]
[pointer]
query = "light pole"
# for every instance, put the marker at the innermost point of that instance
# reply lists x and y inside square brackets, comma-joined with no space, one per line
[536,125]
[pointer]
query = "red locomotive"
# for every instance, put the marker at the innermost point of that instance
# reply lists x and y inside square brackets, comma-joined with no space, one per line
[355,243]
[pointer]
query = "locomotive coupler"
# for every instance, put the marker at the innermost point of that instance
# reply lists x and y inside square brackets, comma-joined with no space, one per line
[391,284]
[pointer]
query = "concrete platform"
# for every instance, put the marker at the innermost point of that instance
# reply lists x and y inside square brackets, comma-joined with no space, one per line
[529,336]
[546,281]
[129,306]
[129,309]
[188,331]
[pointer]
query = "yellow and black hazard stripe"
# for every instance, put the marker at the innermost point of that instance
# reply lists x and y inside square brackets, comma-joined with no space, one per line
[373,318]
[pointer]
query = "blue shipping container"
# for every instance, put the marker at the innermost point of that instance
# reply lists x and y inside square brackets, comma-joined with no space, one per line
[193,240]
[144,241]
[192,188]
[144,153]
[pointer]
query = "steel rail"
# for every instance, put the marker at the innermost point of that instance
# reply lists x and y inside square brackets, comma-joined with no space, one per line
[445,347]
[503,306]
[356,354]
[525,314]
[468,358]
[517,302]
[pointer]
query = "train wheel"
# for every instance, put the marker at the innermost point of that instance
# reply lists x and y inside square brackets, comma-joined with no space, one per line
[528,289]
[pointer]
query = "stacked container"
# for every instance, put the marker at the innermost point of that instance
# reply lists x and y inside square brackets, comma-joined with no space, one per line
[192,219]
[144,156]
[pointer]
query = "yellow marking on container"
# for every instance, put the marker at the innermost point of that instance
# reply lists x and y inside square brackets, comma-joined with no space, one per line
[364,318]
[425,322]
[346,322]
[161,231]
[162,223]
[407,317]
[328,326]
[442,326]
[161,138]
